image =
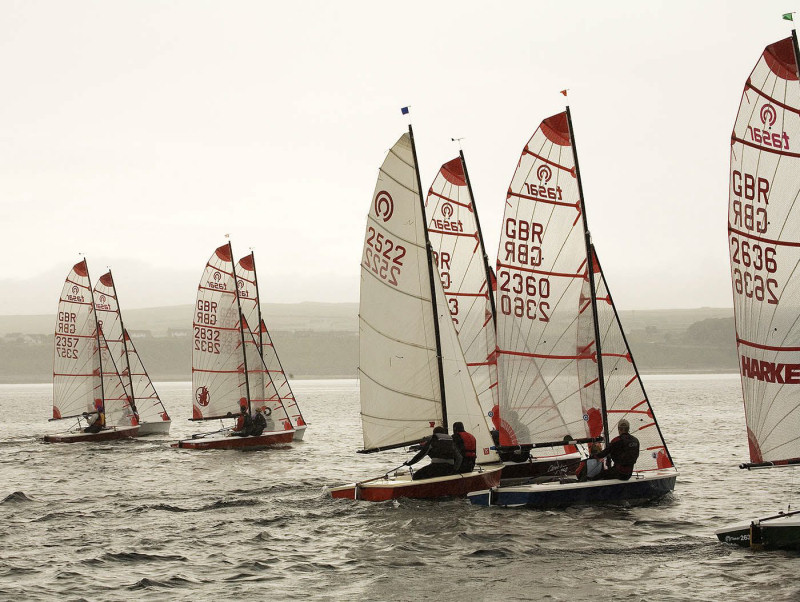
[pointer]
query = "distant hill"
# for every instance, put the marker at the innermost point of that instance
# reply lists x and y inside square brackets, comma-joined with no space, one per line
[159,321]
[321,340]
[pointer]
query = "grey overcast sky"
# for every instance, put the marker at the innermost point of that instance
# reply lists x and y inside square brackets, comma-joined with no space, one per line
[140,133]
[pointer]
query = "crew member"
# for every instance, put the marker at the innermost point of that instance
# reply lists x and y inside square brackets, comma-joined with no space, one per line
[244,423]
[99,419]
[623,451]
[259,423]
[442,451]
[466,446]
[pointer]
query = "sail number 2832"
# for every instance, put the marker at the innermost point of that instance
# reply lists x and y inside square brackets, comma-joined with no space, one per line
[383,256]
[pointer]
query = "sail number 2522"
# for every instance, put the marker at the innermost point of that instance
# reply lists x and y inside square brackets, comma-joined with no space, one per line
[383,256]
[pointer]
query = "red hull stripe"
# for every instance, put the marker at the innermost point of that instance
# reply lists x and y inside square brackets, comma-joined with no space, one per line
[765,347]
[449,200]
[784,243]
[767,149]
[750,86]
[533,271]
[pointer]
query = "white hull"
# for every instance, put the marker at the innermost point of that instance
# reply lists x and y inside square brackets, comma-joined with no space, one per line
[159,427]
[299,431]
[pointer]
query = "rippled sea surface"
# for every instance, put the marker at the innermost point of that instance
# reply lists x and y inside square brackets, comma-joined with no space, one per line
[140,520]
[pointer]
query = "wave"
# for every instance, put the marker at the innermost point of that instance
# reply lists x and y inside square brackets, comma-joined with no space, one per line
[16,498]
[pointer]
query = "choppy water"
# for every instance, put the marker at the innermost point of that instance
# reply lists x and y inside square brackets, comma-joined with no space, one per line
[140,520]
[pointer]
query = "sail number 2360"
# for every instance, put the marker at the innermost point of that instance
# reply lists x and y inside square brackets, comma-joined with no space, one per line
[532,304]
[383,256]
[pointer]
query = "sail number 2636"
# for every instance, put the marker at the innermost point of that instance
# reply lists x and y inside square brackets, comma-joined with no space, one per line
[383,256]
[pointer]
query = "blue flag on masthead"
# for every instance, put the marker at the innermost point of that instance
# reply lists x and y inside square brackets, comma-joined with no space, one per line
[404,110]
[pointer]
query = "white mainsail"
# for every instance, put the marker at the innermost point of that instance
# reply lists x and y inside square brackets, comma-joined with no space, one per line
[400,387]
[764,245]
[413,372]
[137,383]
[219,380]
[541,297]
[455,238]
[285,404]
[85,379]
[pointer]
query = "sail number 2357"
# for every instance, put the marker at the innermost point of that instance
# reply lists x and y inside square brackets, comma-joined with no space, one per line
[383,256]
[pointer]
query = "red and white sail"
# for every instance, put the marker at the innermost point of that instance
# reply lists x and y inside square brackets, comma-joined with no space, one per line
[764,245]
[139,387]
[116,401]
[263,393]
[250,302]
[624,391]
[460,257]
[85,379]
[542,317]
[219,383]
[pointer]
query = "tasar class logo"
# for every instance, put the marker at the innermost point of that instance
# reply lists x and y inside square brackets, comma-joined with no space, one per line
[102,298]
[544,173]
[384,205]
[202,396]
[768,115]
[75,290]
[217,276]
[447,210]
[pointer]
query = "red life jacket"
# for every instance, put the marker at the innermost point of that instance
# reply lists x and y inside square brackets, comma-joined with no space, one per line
[470,445]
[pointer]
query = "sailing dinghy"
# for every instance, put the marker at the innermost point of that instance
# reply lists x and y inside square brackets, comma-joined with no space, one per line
[251,309]
[86,383]
[228,371]
[565,370]
[144,400]
[764,245]
[413,375]
[457,240]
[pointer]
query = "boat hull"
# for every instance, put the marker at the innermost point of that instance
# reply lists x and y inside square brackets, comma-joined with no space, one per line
[110,434]
[225,441]
[781,532]
[642,487]
[157,427]
[535,468]
[402,486]
[299,431]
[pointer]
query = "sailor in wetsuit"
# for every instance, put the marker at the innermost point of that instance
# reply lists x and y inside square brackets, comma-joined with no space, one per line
[99,420]
[623,451]
[442,451]
[466,446]
[244,423]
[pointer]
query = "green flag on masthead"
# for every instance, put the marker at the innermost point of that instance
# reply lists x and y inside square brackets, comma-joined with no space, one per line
[788,17]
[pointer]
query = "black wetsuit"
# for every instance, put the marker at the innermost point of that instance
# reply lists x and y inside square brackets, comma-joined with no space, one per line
[259,424]
[247,426]
[623,451]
